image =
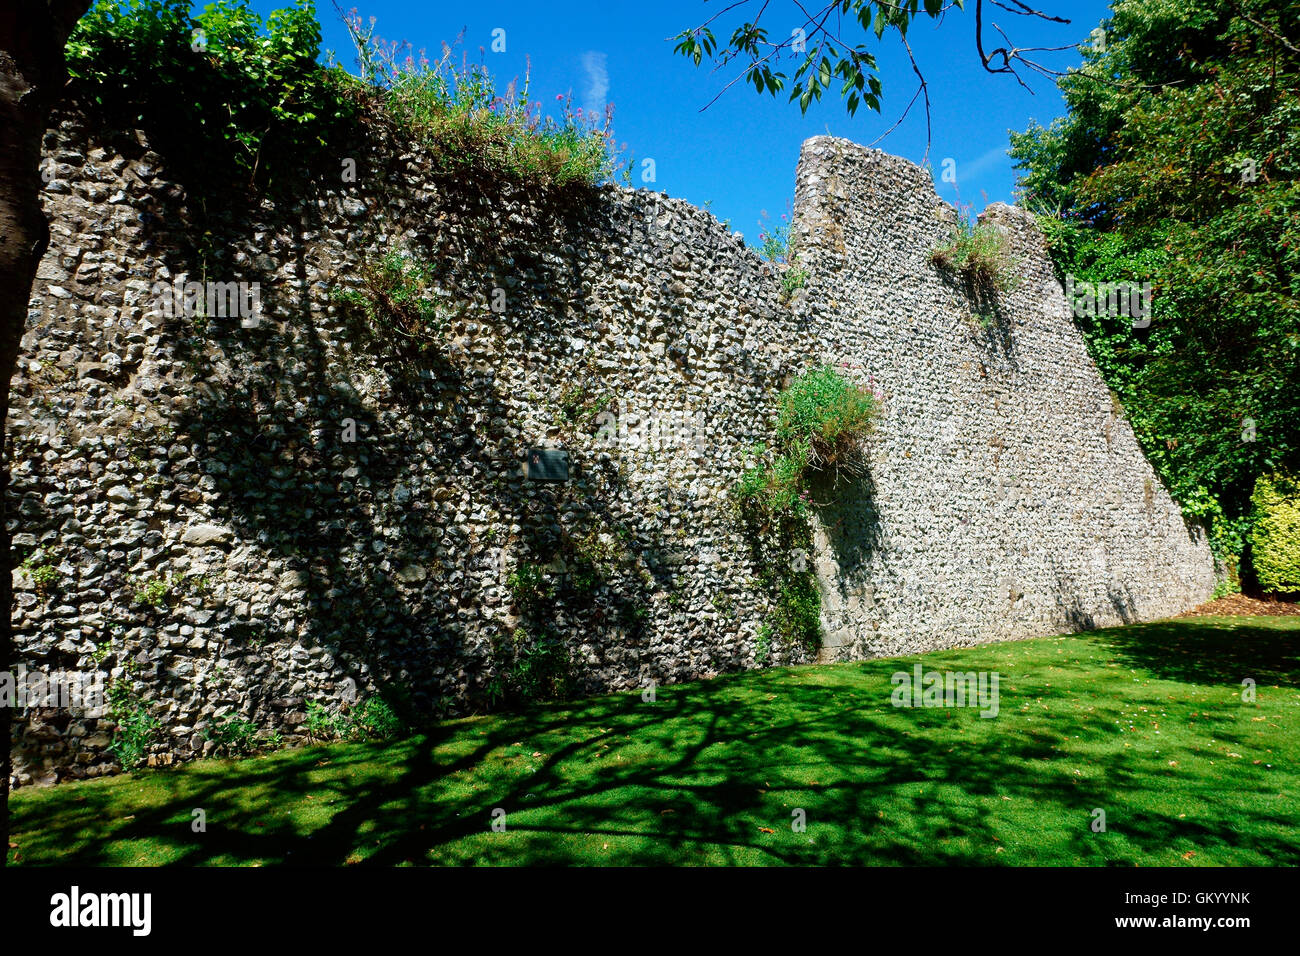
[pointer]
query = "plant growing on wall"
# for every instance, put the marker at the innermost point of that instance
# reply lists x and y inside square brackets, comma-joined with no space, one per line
[823,421]
[530,587]
[978,253]
[456,110]
[42,571]
[398,299]
[232,91]
[778,248]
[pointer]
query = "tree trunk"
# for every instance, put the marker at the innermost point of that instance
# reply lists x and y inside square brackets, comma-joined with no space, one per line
[32,75]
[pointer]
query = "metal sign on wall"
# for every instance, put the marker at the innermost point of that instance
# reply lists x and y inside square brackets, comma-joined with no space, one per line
[546,464]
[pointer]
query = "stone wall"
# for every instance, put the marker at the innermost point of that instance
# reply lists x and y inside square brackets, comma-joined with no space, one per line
[246,517]
[1008,496]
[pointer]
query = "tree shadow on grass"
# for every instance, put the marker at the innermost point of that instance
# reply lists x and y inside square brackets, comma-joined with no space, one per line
[1210,651]
[711,773]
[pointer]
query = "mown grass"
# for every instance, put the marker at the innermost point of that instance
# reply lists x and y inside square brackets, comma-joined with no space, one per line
[1145,722]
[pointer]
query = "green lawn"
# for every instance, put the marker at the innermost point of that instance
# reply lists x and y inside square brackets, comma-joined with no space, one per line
[1145,722]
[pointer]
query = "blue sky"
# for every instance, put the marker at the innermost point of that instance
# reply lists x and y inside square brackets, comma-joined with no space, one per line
[739,155]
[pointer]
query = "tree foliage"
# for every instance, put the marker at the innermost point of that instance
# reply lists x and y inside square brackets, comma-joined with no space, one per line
[1275,536]
[229,94]
[829,46]
[1177,164]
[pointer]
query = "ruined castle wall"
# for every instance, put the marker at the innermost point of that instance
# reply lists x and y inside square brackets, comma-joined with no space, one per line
[1007,495]
[244,518]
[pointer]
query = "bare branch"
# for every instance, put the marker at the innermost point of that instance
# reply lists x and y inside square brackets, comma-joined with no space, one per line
[1267,29]
[925,92]
[1026,11]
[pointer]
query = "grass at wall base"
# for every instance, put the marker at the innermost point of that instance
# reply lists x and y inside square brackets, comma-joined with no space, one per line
[1146,722]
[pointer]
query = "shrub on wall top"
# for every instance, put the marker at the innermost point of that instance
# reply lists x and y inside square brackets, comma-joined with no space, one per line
[1275,538]
[978,252]
[222,89]
[227,91]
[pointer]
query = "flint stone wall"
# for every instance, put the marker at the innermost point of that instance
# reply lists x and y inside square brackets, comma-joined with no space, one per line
[1007,495]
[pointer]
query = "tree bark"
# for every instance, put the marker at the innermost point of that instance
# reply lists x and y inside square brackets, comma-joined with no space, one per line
[32,76]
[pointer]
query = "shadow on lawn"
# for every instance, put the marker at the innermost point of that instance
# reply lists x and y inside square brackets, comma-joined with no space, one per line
[1205,651]
[694,776]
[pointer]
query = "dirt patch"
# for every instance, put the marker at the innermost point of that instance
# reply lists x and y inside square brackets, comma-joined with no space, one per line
[1243,606]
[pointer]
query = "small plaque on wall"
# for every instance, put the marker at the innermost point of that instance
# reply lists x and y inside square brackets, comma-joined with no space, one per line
[546,464]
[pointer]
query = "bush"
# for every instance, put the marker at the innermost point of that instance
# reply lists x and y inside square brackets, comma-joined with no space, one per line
[219,88]
[372,719]
[226,92]
[320,723]
[531,668]
[1275,537]
[456,110]
[822,420]
[822,423]
[234,736]
[135,728]
[978,253]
